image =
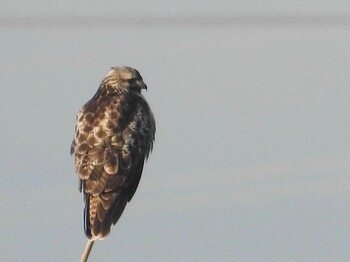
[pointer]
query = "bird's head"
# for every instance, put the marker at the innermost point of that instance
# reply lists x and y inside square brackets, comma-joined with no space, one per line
[124,79]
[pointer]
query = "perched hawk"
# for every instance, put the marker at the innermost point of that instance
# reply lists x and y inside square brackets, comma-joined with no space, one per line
[114,135]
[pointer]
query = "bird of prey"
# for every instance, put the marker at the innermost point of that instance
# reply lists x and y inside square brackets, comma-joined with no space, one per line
[114,135]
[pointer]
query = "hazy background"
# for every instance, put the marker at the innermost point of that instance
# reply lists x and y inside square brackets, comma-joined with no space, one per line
[251,160]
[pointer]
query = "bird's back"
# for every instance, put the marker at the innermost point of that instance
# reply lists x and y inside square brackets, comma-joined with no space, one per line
[114,135]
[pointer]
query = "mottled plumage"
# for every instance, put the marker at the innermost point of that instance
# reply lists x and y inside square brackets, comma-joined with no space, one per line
[114,135]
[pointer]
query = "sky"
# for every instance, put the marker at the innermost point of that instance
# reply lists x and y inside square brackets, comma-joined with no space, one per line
[251,159]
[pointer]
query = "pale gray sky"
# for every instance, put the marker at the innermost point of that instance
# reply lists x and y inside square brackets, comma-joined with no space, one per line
[173,7]
[251,160]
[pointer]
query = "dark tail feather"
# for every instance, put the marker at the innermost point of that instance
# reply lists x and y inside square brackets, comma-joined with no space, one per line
[86,216]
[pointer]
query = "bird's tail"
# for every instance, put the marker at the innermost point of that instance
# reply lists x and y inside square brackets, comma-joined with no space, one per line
[101,211]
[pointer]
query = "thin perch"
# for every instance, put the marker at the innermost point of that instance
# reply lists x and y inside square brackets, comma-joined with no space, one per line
[87,250]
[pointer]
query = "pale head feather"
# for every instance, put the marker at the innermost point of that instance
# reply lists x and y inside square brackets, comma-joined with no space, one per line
[124,78]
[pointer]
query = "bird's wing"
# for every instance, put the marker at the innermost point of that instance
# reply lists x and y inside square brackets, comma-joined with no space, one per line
[110,148]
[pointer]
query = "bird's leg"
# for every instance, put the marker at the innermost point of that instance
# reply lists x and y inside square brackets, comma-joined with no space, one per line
[87,250]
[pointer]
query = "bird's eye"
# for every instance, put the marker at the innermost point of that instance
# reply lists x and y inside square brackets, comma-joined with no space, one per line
[132,80]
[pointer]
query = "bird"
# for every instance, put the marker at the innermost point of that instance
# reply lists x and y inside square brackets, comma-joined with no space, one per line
[114,135]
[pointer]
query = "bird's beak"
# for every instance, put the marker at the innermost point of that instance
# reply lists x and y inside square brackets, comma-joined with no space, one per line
[141,84]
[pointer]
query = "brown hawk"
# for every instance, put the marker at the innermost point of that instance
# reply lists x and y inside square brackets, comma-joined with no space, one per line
[114,135]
